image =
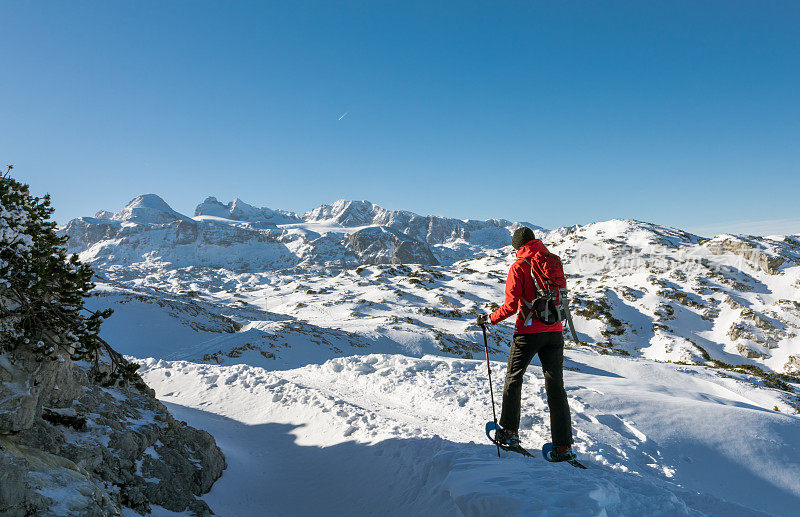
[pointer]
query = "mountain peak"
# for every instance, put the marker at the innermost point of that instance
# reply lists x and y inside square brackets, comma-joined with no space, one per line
[638,232]
[239,210]
[147,209]
[350,213]
[149,201]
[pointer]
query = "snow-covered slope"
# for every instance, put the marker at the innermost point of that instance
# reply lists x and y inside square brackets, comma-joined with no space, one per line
[638,289]
[263,325]
[394,435]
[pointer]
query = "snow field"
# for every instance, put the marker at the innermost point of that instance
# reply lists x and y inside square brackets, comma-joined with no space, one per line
[268,360]
[677,311]
[397,435]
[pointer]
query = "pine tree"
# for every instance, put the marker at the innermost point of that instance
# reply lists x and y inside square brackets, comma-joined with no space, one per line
[42,291]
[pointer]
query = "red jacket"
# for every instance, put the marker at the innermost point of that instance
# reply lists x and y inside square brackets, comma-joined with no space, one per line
[520,284]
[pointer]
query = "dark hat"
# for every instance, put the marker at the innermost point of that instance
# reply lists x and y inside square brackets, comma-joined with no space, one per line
[522,236]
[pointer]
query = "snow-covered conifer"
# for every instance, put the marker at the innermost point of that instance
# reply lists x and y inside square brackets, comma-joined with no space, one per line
[42,290]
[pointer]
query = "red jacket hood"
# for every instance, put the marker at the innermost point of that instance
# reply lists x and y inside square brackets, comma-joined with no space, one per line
[529,249]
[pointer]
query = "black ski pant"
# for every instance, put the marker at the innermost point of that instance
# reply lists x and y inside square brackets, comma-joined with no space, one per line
[550,347]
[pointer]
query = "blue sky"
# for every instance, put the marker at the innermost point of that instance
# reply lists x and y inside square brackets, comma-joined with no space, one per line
[681,113]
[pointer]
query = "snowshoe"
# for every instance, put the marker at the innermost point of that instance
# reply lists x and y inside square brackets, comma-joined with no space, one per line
[506,441]
[553,455]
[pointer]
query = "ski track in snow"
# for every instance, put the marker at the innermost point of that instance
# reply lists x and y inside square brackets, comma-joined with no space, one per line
[395,435]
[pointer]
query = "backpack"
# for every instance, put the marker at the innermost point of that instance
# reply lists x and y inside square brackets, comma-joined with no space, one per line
[550,304]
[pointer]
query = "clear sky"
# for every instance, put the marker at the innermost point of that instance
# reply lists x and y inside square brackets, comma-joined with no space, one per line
[680,113]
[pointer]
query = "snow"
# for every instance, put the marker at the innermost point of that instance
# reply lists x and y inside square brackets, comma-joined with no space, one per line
[397,435]
[64,487]
[364,386]
[238,210]
[147,209]
[156,511]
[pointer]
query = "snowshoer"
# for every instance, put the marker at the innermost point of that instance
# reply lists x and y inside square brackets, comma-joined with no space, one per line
[531,337]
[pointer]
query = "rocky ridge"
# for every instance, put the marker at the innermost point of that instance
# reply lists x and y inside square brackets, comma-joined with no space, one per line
[240,236]
[69,446]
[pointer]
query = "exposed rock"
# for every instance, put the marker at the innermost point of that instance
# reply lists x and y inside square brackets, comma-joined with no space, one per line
[203,243]
[240,236]
[752,251]
[749,353]
[429,229]
[85,231]
[82,449]
[792,365]
[12,481]
[36,482]
[733,303]
[758,320]
[711,313]
[25,383]
[381,245]
[328,251]
[758,329]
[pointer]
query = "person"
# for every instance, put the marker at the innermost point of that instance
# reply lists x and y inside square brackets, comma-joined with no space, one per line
[529,340]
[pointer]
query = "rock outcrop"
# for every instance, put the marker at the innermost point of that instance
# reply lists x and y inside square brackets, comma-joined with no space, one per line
[792,366]
[431,229]
[71,447]
[381,245]
[757,253]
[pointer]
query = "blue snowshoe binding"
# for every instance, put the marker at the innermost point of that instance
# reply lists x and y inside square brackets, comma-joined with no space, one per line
[553,455]
[505,440]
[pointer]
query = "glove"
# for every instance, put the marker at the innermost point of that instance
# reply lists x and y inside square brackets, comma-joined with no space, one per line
[483,319]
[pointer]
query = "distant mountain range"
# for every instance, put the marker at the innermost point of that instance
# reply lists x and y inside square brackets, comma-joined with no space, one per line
[344,234]
[638,288]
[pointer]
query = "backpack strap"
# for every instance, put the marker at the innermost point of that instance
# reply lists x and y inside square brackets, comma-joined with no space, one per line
[559,296]
[528,318]
[535,281]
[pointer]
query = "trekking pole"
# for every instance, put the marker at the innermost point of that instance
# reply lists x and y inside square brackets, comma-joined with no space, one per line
[491,389]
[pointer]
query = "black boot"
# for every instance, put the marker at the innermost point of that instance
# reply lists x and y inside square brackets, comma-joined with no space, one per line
[560,453]
[507,437]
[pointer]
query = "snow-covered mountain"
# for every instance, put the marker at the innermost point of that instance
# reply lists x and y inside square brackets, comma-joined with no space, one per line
[356,322]
[638,288]
[238,210]
[242,237]
[430,229]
